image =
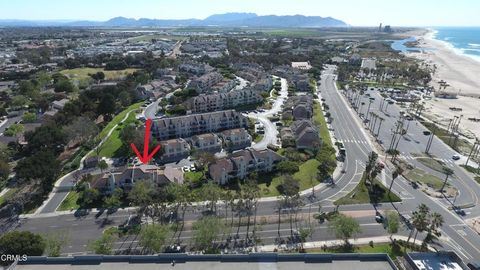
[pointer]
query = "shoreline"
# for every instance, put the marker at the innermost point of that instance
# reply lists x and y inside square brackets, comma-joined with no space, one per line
[461,72]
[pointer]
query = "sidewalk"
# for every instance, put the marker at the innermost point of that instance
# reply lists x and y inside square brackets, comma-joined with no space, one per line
[332,243]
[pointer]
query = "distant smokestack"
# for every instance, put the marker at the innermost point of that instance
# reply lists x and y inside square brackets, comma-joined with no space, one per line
[380,28]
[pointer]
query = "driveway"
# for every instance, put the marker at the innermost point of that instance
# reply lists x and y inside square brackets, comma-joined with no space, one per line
[271,132]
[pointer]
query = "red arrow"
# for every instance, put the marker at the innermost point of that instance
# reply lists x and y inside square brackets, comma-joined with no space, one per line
[146,139]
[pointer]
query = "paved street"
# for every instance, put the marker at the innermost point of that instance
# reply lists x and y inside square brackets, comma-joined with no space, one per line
[271,131]
[413,144]
[456,233]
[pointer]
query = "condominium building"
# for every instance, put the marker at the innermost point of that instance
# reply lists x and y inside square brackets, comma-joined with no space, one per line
[189,125]
[242,163]
[222,101]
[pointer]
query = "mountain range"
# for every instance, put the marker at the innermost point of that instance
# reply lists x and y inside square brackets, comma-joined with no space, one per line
[219,20]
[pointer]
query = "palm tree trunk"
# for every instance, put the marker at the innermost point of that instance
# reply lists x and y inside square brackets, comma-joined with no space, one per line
[255,222]
[415,238]
[248,223]
[278,229]
[408,240]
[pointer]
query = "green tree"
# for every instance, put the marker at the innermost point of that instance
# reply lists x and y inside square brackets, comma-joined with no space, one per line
[207,231]
[107,105]
[420,220]
[141,195]
[103,245]
[102,165]
[124,98]
[28,88]
[64,85]
[372,169]
[393,222]
[211,193]
[345,227]
[81,129]
[287,167]
[29,117]
[22,243]
[55,242]
[303,233]
[14,130]
[19,101]
[113,201]
[4,169]
[154,236]
[41,166]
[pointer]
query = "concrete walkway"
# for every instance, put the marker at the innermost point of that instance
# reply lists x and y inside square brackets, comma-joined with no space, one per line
[64,180]
[332,243]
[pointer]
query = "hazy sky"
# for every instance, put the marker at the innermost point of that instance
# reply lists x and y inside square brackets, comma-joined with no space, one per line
[354,12]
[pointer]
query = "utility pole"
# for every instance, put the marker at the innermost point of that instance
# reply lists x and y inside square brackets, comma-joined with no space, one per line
[360,109]
[473,151]
[374,123]
[430,139]
[396,138]
[379,125]
[368,110]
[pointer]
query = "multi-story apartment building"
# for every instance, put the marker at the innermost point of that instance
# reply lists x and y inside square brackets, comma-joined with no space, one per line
[189,125]
[208,142]
[174,150]
[302,134]
[195,68]
[236,139]
[299,107]
[126,177]
[242,163]
[204,82]
[222,101]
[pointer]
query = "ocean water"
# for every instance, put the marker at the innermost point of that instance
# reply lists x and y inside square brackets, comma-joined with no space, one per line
[463,40]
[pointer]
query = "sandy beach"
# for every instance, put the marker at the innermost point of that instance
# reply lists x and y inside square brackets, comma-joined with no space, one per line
[461,73]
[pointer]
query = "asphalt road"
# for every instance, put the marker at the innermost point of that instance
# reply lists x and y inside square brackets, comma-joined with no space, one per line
[271,131]
[413,144]
[455,233]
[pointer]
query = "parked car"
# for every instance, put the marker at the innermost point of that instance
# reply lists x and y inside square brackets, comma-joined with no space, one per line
[378,217]
[459,211]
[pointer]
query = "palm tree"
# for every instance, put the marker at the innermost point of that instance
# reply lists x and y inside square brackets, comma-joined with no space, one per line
[372,169]
[436,221]
[447,171]
[398,171]
[420,220]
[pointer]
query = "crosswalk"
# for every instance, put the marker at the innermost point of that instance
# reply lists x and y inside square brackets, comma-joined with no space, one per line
[446,161]
[354,141]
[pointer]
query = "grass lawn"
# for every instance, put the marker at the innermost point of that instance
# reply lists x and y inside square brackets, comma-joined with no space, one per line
[461,145]
[418,175]
[471,169]
[113,143]
[70,202]
[194,177]
[258,138]
[432,163]
[361,195]
[7,195]
[319,120]
[117,119]
[82,73]
[269,182]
